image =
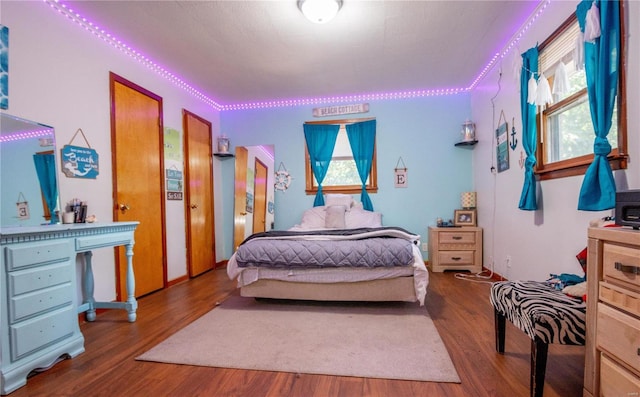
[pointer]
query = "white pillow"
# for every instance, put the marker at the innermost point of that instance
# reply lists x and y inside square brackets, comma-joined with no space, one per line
[313,218]
[335,218]
[338,199]
[357,218]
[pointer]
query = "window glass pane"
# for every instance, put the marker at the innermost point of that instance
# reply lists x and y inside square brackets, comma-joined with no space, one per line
[569,132]
[342,170]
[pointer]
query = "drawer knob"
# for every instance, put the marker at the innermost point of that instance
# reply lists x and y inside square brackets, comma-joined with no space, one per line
[627,268]
[457,237]
[455,258]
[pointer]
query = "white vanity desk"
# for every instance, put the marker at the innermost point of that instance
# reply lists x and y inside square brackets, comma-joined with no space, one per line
[38,308]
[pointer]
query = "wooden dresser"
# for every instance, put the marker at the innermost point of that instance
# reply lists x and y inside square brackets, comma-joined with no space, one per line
[612,362]
[455,248]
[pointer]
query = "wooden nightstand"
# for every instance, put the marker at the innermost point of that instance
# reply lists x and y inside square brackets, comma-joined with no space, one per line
[612,360]
[455,248]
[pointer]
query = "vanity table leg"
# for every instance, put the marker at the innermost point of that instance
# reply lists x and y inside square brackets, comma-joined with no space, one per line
[89,287]
[132,304]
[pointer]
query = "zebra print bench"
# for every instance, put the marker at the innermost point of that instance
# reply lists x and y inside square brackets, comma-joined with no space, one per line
[545,314]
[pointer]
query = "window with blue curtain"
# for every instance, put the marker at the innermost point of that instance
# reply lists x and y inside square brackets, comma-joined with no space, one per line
[343,174]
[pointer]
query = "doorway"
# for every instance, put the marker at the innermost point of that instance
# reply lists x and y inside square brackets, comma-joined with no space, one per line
[137,150]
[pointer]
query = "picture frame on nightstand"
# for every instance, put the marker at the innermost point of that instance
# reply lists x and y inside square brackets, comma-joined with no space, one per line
[464,217]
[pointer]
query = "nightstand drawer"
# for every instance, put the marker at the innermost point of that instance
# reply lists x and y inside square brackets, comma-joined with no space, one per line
[618,334]
[25,255]
[621,263]
[29,304]
[620,297]
[617,381]
[456,258]
[24,281]
[457,237]
[31,335]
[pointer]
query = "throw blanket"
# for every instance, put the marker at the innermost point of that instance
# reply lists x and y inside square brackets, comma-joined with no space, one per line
[366,247]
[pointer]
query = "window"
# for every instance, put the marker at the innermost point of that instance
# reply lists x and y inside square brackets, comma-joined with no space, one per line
[342,175]
[565,129]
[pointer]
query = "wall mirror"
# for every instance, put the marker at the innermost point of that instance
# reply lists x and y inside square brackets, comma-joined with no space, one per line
[28,175]
[254,206]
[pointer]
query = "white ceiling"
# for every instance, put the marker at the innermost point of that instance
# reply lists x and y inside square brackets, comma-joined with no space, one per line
[249,51]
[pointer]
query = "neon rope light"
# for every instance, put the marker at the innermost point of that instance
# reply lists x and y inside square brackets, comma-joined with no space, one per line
[25,135]
[125,48]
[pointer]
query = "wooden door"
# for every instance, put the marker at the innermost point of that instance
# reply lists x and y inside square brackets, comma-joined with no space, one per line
[260,197]
[240,196]
[201,251]
[138,177]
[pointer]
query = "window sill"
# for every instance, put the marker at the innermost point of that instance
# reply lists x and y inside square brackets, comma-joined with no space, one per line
[575,167]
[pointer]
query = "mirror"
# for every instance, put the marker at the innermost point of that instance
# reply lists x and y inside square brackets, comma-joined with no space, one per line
[254,196]
[28,175]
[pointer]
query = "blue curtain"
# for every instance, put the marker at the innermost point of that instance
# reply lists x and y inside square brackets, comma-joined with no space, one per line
[46,169]
[601,61]
[321,139]
[362,139]
[529,131]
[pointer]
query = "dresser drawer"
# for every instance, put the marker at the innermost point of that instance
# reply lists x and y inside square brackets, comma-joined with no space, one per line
[39,332]
[619,334]
[620,297]
[24,255]
[621,263]
[460,258]
[33,303]
[28,280]
[457,237]
[617,381]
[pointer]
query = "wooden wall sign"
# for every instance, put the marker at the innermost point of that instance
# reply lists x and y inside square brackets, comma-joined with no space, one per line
[79,161]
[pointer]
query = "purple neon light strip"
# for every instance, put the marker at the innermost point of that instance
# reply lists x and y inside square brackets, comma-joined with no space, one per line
[116,43]
[25,135]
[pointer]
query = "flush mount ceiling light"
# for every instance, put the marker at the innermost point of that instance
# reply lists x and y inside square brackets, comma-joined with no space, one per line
[319,11]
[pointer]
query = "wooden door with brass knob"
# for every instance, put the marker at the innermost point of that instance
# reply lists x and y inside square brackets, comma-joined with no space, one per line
[201,249]
[138,178]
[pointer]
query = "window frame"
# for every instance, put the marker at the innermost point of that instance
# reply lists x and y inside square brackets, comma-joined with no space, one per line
[372,185]
[578,165]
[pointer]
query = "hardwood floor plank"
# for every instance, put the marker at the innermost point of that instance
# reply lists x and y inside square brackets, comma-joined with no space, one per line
[460,311]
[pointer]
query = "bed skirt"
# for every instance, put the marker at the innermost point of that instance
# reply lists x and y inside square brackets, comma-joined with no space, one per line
[393,289]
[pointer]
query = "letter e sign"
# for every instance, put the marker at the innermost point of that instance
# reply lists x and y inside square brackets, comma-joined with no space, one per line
[400,179]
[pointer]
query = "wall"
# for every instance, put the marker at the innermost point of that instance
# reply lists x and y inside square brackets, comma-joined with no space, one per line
[421,131]
[545,241]
[59,76]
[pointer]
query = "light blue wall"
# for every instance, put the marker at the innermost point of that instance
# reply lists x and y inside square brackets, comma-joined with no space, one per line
[18,176]
[422,131]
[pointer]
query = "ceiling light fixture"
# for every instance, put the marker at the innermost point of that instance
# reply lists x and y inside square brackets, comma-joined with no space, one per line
[319,11]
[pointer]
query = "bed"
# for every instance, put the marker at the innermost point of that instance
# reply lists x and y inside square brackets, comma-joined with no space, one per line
[339,252]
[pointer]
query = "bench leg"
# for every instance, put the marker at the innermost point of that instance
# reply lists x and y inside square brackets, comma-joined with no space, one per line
[539,351]
[500,331]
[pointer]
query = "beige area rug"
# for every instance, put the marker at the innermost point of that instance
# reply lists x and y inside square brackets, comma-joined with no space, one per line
[373,340]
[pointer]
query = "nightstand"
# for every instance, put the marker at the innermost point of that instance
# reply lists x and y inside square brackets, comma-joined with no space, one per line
[455,248]
[612,359]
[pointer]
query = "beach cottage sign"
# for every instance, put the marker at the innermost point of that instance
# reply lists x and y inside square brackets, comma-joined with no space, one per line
[341,109]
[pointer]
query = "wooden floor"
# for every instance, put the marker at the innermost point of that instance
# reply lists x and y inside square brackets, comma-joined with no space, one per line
[460,310]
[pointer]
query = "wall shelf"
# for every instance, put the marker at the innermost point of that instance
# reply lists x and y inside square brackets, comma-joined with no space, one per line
[223,155]
[466,143]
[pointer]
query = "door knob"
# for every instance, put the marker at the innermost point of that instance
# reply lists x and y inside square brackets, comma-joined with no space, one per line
[123,207]
[243,213]
[194,206]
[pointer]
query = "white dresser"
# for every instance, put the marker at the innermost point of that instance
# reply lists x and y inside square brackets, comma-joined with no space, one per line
[38,304]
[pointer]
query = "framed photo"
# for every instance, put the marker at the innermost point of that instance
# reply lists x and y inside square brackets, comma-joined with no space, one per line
[464,218]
